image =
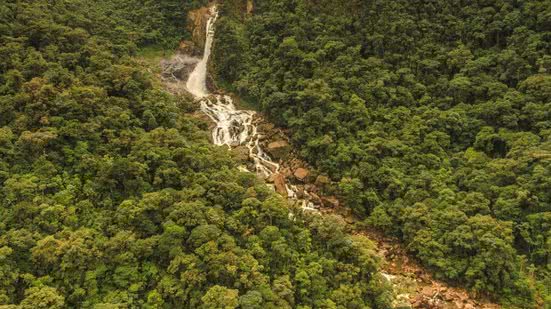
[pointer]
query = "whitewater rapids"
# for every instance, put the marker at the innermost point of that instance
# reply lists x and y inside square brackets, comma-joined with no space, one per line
[233,127]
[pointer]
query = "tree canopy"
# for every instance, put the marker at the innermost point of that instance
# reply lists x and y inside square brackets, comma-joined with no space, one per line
[433,118]
[111,195]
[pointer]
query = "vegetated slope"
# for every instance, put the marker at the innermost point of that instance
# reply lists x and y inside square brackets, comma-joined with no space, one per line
[434,117]
[111,197]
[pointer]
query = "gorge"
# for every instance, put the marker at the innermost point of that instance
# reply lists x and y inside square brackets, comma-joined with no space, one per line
[249,154]
[233,127]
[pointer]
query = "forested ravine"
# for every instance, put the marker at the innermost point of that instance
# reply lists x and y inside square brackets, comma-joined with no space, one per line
[425,120]
[236,128]
[112,196]
[336,154]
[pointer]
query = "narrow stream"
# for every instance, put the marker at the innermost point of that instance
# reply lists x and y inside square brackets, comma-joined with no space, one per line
[233,127]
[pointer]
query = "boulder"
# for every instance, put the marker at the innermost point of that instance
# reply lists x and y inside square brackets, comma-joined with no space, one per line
[177,68]
[265,127]
[314,198]
[417,302]
[279,149]
[300,192]
[310,188]
[301,173]
[427,291]
[330,201]
[279,183]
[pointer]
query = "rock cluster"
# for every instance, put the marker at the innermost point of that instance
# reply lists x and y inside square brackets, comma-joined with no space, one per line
[415,287]
[279,150]
[294,172]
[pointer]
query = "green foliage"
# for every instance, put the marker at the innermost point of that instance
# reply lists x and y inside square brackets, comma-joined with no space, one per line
[111,196]
[432,117]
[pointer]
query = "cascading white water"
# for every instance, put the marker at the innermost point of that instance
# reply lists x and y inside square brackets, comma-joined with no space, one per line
[197,81]
[233,127]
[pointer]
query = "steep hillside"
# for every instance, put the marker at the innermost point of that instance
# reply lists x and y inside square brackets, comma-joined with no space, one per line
[111,195]
[432,119]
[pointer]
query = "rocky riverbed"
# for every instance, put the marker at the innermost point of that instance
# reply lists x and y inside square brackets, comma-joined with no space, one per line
[288,175]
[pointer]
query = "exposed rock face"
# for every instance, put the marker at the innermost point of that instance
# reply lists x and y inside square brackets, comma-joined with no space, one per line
[330,201]
[301,173]
[197,25]
[175,70]
[279,183]
[279,149]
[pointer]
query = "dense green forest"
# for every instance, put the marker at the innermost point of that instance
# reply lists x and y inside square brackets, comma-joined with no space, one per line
[433,118]
[111,195]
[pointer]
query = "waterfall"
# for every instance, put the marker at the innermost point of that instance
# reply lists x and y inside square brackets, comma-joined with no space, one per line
[197,81]
[233,127]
